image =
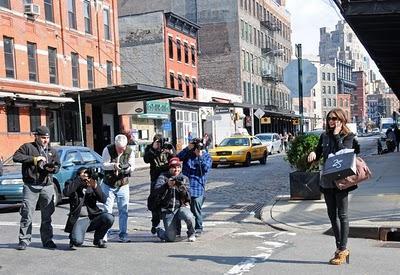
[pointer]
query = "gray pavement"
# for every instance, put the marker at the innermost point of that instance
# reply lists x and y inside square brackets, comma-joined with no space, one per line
[374,208]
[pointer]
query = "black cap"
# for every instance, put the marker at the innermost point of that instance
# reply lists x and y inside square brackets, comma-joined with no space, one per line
[42,131]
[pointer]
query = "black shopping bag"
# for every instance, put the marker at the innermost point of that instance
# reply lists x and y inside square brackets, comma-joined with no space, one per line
[340,166]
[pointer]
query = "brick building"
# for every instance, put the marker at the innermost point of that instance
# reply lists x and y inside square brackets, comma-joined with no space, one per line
[359,100]
[160,48]
[47,48]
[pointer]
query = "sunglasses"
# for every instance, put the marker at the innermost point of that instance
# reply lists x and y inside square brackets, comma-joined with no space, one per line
[332,118]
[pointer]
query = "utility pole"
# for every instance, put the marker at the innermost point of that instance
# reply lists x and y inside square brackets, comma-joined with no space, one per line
[300,69]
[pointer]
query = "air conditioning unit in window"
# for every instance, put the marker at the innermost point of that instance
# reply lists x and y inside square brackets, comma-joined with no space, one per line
[32,9]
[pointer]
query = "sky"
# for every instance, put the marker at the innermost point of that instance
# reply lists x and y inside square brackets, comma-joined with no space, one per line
[307,17]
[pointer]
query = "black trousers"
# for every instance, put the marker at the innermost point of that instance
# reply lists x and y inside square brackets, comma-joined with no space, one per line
[337,205]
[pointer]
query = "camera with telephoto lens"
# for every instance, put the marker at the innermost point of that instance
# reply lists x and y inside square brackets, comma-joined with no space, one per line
[94,173]
[198,144]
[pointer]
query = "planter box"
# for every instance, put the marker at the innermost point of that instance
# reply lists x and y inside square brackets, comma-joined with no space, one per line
[304,186]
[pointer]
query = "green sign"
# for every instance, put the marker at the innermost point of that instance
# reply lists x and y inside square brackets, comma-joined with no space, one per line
[157,107]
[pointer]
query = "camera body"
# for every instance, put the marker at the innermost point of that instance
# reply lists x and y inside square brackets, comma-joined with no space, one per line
[94,173]
[198,144]
[124,168]
[165,144]
[178,181]
[43,164]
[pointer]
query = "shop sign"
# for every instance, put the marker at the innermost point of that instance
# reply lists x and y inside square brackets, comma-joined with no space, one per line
[157,107]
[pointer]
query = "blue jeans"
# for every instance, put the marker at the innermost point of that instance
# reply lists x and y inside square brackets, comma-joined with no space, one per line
[195,205]
[171,220]
[122,196]
[99,225]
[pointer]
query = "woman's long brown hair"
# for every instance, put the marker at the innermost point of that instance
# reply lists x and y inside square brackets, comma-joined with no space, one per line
[340,114]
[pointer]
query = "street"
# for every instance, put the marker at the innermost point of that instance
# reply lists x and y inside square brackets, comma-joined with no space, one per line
[234,241]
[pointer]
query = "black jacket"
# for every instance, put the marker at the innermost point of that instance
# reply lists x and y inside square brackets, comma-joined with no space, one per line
[175,197]
[31,173]
[74,189]
[329,143]
[158,161]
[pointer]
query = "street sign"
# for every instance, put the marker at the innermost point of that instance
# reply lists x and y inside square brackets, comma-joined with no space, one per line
[266,120]
[215,117]
[259,113]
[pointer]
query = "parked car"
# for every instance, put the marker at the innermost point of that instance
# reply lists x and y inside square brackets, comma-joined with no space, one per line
[239,149]
[272,141]
[71,158]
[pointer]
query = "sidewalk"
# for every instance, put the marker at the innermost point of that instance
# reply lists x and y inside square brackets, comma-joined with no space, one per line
[140,164]
[374,208]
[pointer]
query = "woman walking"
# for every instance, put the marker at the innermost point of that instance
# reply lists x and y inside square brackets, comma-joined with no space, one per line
[336,137]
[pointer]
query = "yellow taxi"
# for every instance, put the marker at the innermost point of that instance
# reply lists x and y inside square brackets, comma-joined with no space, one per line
[239,149]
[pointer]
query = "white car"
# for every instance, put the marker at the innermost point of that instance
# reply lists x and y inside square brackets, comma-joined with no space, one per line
[272,140]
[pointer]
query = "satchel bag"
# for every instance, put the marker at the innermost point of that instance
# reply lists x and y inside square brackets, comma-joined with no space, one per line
[363,173]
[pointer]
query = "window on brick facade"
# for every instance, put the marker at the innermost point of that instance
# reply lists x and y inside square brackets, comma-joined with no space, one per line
[34,114]
[324,89]
[72,14]
[12,119]
[53,71]
[324,102]
[241,28]
[106,20]
[32,62]
[87,16]
[109,73]
[333,90]
[75,69]
[5,3]
[333,77]
[9,56]
[187,83]
[329,89]
[193,56]
[180,83]
[323,76]
[245,4]
[48,10]
[194,88]
[334,102]
[186,48]
[179,50]
[171,81]
[90,72]
[170,47]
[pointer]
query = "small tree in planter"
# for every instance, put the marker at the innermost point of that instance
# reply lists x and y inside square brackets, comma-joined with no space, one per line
[304,182]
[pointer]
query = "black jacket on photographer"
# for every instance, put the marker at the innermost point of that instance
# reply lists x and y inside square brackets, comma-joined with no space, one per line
[78,198]
[158,162]
[172,198]
[32,172]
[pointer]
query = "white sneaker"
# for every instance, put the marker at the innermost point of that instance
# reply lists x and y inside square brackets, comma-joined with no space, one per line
[124,240]
[192,238]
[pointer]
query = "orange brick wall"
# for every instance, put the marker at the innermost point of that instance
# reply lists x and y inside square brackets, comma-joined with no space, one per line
[180,67]
[14,24]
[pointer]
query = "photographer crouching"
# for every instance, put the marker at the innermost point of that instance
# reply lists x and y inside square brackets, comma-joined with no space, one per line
[85,216]
[157,154]
[174,199]
[39,163]
[196,165]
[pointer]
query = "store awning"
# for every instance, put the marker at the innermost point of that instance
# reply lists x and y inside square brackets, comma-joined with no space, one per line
[35,98]
[124,93]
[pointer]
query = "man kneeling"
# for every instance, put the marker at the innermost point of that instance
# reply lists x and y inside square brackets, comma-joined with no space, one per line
[174,199]
[82,191]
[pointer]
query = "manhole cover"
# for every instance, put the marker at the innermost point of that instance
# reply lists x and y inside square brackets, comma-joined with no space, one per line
[248,207]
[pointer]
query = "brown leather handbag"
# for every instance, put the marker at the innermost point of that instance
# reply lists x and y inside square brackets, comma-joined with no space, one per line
[363,173]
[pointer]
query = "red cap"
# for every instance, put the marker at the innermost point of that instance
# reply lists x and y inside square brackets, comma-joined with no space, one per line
[175,161]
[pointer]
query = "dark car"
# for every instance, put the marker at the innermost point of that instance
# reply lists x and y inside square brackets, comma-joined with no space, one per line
[71,157]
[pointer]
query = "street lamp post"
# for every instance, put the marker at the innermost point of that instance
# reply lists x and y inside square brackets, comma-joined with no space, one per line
[274,52]
[300,69]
